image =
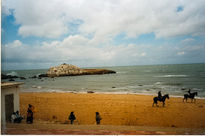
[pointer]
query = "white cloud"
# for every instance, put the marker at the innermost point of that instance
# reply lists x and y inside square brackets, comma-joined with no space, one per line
[188,40]
[107,18]
[181,53]
[143,54]
[51,30]
[74,50]
[16,43]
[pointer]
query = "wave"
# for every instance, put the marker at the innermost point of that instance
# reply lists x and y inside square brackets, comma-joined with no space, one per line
[38,87]
[122,72]
[158,83]
[13,73]
[173,91]
[173,84]
[172,76]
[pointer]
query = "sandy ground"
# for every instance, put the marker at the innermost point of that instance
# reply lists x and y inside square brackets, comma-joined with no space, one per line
[117,110]
[48,128]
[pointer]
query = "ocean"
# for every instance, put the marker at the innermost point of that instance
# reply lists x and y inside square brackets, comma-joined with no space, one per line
[170,79]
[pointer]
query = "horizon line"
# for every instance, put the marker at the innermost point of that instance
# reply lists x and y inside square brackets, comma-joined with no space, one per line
[113,66]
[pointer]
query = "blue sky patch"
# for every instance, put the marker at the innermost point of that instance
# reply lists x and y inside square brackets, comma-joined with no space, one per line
[180,8]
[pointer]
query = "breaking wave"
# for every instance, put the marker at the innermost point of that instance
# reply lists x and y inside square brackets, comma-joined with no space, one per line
[13,73]
[173,76]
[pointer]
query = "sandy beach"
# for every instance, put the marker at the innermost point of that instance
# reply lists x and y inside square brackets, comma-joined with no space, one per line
[116,109]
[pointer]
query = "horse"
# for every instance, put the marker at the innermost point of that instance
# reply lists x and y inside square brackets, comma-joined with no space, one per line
[155,99]
[191,96]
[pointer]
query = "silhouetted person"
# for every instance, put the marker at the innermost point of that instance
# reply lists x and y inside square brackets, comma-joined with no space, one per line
[189,91]
[18,117]
[98,118]
[29,119]
[71,117]
[159,95]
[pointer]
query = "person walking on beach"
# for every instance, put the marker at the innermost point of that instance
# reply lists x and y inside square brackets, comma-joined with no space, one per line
[71,117]
[98,118]
[159,95]
[30,111]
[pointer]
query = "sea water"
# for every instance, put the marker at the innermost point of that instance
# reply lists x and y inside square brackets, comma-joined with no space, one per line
[172,79]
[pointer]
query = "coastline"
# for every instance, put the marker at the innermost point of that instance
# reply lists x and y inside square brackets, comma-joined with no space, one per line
[86,92]
[115,109]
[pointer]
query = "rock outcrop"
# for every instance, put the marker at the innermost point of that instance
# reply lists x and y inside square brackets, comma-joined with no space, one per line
[71,70]
[11,77]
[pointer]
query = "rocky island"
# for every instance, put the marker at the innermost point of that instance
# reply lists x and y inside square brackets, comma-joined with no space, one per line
[71,70]
[63,70]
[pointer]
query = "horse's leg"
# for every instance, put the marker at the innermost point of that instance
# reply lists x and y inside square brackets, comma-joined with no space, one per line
[153,104]
[157,104]
[163,104]
[191,100]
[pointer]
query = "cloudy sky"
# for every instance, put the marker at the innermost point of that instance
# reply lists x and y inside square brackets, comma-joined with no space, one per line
[93,33]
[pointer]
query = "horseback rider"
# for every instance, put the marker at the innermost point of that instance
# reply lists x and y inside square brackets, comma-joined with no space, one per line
[160,95]
[189,91]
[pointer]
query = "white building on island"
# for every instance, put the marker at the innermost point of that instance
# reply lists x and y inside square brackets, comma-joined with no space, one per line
[9,101]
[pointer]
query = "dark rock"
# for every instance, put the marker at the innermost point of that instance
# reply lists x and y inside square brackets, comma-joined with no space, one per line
[11,79]
[8,76]
[43,75]
[97,71]
[90,92]
[3,76]
[22,78]
[113,87]
[34,76]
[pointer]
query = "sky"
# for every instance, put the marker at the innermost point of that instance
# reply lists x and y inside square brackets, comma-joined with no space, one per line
[38,34]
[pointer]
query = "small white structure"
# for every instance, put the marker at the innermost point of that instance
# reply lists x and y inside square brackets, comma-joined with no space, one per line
[9,100]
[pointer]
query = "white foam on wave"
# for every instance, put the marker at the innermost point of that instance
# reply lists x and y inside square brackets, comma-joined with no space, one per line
[121,72]
[125,93]
[158,83]
[172,76]
[13,73]
[152,92]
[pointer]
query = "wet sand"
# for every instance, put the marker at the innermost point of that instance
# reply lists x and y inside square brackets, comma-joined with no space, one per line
[115,109]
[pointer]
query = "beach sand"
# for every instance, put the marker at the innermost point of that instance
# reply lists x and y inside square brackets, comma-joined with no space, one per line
[115,109]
